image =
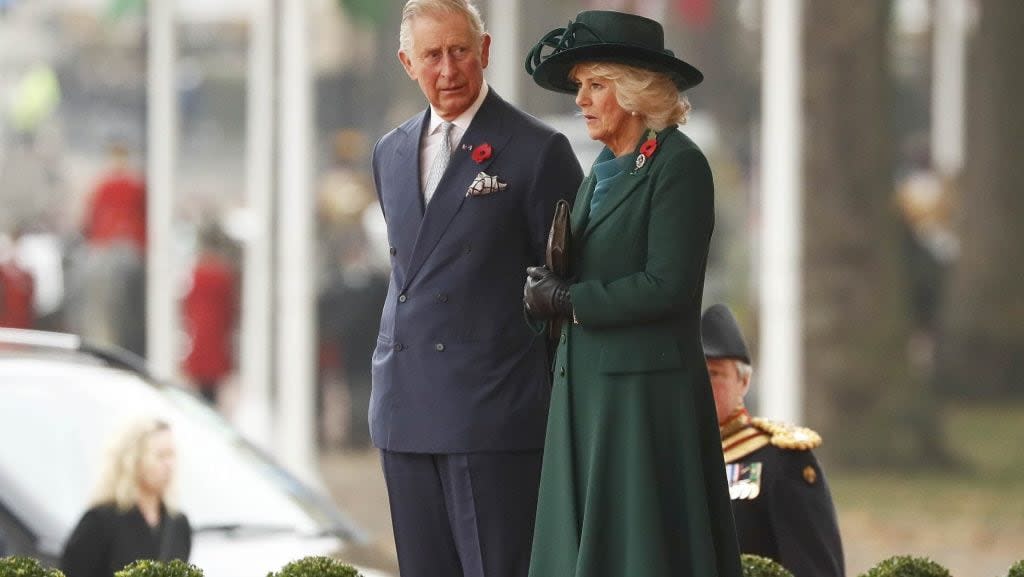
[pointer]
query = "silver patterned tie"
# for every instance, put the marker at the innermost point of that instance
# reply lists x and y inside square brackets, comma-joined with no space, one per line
[440,161]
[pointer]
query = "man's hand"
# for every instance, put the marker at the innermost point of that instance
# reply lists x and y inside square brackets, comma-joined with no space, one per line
[545,294]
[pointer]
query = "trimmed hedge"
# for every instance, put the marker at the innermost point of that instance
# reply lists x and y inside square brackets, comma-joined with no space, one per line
[907,566]
[757,566]
[148,568]
[26,567]
[316,567]
[1017,569]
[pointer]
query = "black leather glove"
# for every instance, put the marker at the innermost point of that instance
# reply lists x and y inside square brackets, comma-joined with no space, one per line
[546,295]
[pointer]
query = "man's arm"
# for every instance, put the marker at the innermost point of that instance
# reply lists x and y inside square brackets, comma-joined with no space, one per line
[375,171]
[558,176]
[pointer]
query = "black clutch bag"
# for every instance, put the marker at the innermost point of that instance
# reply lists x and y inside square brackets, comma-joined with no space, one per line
[557,256]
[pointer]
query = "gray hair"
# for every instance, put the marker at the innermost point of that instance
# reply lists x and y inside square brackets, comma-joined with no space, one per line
[416,8]
[744,370]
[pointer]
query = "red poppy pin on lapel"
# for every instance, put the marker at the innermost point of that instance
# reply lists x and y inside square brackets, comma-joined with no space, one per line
[481,153]
[646,150]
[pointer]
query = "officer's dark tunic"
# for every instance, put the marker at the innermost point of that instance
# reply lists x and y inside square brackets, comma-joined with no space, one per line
[780,500]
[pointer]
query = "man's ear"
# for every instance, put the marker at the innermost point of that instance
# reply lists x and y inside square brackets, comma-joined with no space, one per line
[406,63]
[485,49]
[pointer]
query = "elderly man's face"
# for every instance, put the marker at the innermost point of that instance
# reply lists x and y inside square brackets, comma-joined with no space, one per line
[727,385]
[447,61]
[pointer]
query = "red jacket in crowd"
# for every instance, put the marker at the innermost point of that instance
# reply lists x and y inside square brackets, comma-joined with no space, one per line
[117,211]
[210,309]
[17,289]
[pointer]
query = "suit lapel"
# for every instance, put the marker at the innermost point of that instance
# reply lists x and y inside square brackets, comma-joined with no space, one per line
[613,198]
[407,167]
[626,185]
[462,169]
[405,214]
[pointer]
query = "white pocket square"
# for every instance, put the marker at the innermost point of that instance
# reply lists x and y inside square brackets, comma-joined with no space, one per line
[485,184]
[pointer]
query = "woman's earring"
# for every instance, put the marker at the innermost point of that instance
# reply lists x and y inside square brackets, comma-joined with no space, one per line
[633,113]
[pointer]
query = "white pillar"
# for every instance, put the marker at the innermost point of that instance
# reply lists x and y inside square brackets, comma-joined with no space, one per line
[295,304]
[254,414]
[161,162]
[505,70]
[949,54]
[780,366]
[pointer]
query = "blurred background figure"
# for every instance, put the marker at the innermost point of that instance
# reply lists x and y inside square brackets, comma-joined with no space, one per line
[116,212]
[108,270]
[35,99]
[353,284]
[17,289]
[780,500]
[925,205]
[132,515]
[210,310]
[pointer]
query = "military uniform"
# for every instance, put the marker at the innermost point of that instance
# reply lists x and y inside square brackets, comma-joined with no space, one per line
[780,500]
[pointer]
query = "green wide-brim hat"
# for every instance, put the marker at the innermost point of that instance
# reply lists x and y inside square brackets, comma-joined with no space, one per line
[606,36]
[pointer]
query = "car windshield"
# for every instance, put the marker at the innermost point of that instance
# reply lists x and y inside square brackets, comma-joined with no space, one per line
[57,419]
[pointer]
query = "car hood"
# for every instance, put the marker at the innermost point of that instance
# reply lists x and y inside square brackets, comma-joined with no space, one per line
[237,556]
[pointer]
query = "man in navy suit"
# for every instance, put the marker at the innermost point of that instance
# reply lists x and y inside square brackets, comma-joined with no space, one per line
[460,382]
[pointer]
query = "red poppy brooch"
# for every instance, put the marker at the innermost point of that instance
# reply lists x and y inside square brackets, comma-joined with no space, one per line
[647,150]
[482,152]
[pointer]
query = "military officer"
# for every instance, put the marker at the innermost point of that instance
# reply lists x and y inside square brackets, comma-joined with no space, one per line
[780,500]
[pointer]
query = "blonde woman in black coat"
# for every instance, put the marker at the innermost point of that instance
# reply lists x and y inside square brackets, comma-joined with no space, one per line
[132,515]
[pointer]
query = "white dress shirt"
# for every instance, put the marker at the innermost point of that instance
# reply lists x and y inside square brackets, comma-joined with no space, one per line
[431,141]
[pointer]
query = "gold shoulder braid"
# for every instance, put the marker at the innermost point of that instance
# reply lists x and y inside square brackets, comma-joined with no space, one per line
[790,437]
[740,438]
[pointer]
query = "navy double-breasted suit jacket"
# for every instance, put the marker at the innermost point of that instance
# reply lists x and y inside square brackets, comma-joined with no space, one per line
[456,368]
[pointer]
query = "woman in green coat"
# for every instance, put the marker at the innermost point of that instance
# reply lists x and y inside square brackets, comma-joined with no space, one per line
[633,481]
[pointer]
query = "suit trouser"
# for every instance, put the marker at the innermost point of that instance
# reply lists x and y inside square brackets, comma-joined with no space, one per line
[463,514]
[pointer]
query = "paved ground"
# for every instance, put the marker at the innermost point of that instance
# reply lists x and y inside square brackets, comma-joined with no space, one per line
[968,536]
[356,482]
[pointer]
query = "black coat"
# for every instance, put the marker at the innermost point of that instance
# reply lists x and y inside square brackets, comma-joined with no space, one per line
[782,505]
[106,540]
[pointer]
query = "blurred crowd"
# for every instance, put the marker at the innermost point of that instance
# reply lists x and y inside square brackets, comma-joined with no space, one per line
[92,282]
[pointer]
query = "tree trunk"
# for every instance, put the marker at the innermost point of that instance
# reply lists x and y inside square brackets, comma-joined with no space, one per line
[861,391]
[983,341]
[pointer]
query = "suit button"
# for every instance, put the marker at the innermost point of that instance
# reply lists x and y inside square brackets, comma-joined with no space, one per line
[442,298]
[399,347]
[469,248]
[439,347]
[394,251]
[562,338]
[561,371]
[402,298]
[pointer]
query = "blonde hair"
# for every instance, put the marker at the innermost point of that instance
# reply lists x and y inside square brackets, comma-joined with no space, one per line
[416,8]
[650,94]
[119,478]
